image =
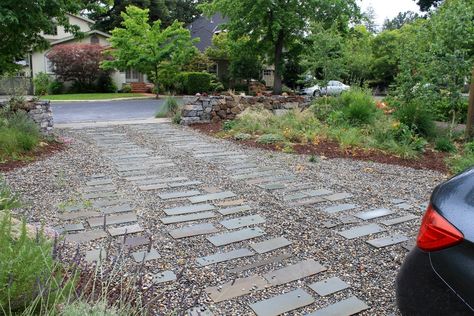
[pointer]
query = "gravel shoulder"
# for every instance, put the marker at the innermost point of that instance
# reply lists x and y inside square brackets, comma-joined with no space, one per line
[370,272]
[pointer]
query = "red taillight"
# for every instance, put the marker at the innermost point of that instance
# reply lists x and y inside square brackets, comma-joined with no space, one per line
[437,233]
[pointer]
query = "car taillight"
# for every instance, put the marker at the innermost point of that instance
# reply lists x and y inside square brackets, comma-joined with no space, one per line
[437,233]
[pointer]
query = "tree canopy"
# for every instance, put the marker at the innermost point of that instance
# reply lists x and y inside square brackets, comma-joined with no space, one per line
[400,20]
[277,24]
[149,49]
[21,25]
[426,5]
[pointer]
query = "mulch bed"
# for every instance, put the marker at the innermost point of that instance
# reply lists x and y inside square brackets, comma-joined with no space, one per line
[431,160]
[41,152]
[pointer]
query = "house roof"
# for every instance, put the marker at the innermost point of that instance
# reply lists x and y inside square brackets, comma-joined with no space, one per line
[82,18]
[205,28]
[72,37]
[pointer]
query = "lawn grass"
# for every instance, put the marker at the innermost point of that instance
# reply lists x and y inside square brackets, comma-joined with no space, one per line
[91,96]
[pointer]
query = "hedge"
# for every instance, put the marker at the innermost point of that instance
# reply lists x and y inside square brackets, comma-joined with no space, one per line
[195,82]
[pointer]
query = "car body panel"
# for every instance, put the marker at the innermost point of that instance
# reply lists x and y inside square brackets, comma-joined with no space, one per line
[442,282]
[333,88]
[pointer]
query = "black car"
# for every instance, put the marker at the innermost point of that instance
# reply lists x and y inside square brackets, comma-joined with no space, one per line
[437,277]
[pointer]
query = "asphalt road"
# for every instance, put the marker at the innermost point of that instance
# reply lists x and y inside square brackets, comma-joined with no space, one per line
[75,112]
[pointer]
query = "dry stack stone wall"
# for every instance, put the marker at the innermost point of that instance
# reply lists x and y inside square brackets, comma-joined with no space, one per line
[205,109]
[39,111]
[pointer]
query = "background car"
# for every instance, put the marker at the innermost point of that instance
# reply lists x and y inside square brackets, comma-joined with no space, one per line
[437,277]
[333,88]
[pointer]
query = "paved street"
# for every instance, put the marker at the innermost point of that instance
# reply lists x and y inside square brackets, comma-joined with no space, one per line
[71,112]
[225,230]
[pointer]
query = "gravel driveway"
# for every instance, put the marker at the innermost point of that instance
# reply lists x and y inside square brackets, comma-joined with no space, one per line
[235,231]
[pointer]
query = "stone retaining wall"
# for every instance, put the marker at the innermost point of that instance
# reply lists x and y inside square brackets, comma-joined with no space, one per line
[205,109]
[40,112]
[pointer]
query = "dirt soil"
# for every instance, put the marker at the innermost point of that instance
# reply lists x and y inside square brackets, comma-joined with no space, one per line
[430,160]
[41,152]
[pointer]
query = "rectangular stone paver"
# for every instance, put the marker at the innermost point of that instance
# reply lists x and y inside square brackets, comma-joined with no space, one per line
[99,182]
[296,196]
[195,230]
[235,209]
[135,241]
[294,272]
[360,231]
[338,197]
[117,209]
[73,227]
[152,187]
[282,303]
[340,208]
[347,307]
[184,184]
[224,256]
[108,202]
[399,220]
[96,255]
[179,210]
[178,194]
[163,277]
[318,192]
[236,288]
[99,195]
[78,215]
[243,221]
[113,219]
[261,263]
[387,241]
[141,256]
[187,218]
[272,186]
[329,286]
[125,230]
[211,197]
[311,201]
[236,236]
[380,212]
[270,245]
[86,236]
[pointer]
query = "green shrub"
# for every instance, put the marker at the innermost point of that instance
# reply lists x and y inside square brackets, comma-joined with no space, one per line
[445,144]
[270,139]
[242,136]
[358,106]
[126,88]
[461,162]
[169,108]
[177,118]
[8,200]
[80,308]
[195,82]
[56,87]
[106,84]
[41,83]
[417,117]
[18,135]
[29,278]
[228,125]
[324,106]
[469,147]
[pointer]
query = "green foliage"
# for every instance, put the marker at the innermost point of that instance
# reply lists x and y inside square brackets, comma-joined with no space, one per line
[56,87]
[80,308]
[170,108]
[461,162]
[417,117]
[358,107]
[445,144]
[177,118]
[195,82]
[18,135]
[41,82]
[149,48]
[126,88]
[8,200]
[242,136]
[228,125]
[106,84]
[313,159]
[29,278]
[23,21]
[267,139]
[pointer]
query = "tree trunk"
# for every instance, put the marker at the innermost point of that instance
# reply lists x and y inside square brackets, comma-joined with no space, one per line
[277,84]
[470,112]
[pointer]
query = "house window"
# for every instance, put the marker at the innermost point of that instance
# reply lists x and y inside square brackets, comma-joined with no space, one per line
[95,39]
[49,65]
[267,72]
[132,75]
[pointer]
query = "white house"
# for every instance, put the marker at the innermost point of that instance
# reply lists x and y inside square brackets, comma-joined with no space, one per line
[38,62]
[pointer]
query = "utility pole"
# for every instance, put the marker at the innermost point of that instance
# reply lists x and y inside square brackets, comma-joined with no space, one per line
[470,111]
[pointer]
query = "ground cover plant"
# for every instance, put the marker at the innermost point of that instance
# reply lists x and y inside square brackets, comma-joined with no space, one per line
[355,123]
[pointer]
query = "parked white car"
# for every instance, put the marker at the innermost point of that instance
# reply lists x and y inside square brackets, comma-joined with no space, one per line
[333,88]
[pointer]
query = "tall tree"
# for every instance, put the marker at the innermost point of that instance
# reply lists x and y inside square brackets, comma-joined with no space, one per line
[400,20]
[276,24]
[368,18]
[427,5]
[159,53]
[21,24]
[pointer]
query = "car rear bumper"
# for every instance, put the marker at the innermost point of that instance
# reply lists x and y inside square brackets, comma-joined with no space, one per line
[420,291]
